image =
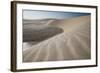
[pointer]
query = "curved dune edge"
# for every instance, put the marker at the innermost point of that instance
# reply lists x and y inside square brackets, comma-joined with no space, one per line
[72,44]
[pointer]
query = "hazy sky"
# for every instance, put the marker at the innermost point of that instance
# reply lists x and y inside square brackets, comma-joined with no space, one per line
[36,14]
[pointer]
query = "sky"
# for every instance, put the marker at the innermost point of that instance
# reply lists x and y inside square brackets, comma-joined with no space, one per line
[37,14]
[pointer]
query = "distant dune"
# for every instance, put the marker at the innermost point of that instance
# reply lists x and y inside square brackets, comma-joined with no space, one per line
[72,44]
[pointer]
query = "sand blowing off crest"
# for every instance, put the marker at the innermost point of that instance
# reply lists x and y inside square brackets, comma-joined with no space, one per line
[72,44]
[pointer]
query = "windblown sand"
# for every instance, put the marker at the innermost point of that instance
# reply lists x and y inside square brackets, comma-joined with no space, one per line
[72,44]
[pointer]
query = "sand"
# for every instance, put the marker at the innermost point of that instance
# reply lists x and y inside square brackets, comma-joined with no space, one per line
[72,44]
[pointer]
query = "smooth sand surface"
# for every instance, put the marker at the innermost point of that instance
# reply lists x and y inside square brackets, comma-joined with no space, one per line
[72,44]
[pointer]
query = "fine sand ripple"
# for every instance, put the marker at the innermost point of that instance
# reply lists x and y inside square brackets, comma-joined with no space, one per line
[72,44]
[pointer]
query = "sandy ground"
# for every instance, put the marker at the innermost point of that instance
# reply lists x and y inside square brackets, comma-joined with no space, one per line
[72,44]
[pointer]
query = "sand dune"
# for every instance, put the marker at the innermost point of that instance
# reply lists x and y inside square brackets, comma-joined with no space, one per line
[38,30]
[72,44]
